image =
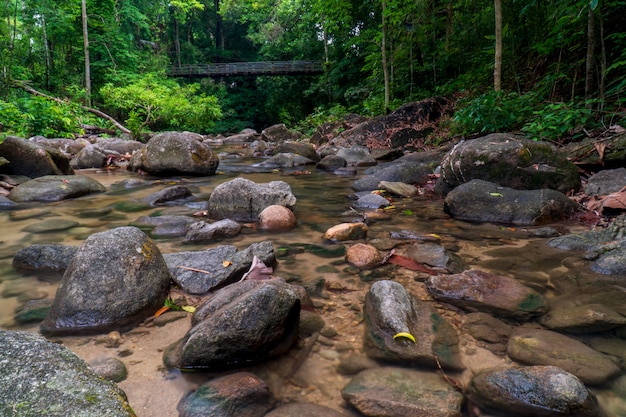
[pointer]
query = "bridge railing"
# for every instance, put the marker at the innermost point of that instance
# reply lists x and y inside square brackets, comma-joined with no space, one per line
[248,69]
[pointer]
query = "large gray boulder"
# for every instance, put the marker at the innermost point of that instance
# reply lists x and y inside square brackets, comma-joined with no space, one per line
[40,378]
[241,324]
[32,160]
[243,200]
[534,391]
[510,161]
[116,278]
[399,392]
[482,201]
[175,153]
[390,311]
[55,188]
[198,272]
[477,290]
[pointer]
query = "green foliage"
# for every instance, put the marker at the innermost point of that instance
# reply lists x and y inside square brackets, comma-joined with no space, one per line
[32,116]
[492,112]
[558,121]
[319,116]
[156,102]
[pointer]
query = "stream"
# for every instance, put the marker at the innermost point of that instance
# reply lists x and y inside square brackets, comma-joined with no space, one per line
[322,202]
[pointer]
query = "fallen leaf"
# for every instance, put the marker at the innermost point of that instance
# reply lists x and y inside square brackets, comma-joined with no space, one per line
[496,194]
[189,309]
[226,264]
[404,335]
[409,263]
[161,311]
[258,271]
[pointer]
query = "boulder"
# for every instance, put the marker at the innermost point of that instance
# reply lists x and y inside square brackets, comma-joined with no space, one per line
[331,163]
[168,194]
[398,188]
[202,271]
[545,347]
[606,182]
[201,231]
[371,201]
[174,153]
[55,188]
[89,157]
[436,256]
[167,225]
[276,218]
[363,256]
[242,324]
[359,156]
[391,313]
[241,394]
[482,201]
[32,160]
[346,231]
[477,290]
[44,258]
[285,160]
[534,391]
[510,161]
[279,133]
[299,148]
[116,278]
[243,200]
[399,392]
[66,145]
[41,378]
[586,318]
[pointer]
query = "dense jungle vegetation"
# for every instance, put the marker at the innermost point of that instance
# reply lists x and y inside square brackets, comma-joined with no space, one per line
[552,69]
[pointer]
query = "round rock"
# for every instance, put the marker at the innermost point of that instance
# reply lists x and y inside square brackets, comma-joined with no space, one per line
[276,218]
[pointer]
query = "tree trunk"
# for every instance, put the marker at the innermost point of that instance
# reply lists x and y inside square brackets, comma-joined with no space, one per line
[46,47]
[86,47]
[497,67]
[219,35]
[589,64]
[384,56]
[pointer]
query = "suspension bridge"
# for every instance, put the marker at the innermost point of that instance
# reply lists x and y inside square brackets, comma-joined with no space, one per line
[248,69]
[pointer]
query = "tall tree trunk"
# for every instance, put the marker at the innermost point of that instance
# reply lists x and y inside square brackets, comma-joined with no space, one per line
[46,48]
[8,69]
[497,67]
[589,64]
[602,85]
[384,56]
[177,43]
[449,22]
[219,35]
[86,47]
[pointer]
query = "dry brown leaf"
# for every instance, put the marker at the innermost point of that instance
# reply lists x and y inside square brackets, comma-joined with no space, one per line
[409,263]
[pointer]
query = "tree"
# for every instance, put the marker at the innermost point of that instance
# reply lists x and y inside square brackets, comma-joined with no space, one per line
[86,49]
[497,67]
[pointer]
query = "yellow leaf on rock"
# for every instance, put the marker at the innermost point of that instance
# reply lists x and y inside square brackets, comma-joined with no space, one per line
[226,264]
[189,309]
[404,335]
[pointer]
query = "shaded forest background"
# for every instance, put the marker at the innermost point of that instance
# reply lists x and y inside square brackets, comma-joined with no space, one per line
[555,70]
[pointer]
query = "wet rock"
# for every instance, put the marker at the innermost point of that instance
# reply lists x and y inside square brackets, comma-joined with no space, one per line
[111,369]
[243,200]
[476,290]
[29,213]
[165,225]
[240,394]
[301,409]
[40,378]
[55,188]
[89,157]
[389,310]
[584,152]
[239,325]
[221,229]
[276,218]
[5,203]
[410,169]
[346,231]
[436,256]
[398,188]
[371,201]
[606,182]
[44,258]
[510,161]
[116,278]
[331,163]
[482,201]
[32,160]
[588,318]
[486,328]
[202,271]
[174,153]
[545,347]
[286,160]
[310,323]
[358,156]
[363,256]
[279,133]
[65,145]
[299,148]
[535,391]
[176,192]
[399,392]
[33,311]
[51,225]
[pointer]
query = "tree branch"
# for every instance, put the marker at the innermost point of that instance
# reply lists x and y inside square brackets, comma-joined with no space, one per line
[102,115]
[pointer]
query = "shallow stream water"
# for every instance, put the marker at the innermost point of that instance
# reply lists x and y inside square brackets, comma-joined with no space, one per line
[322,201]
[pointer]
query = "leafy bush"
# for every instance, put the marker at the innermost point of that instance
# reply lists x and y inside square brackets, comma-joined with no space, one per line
[32,116]
[154,101]
[320,116]
[493,112]
[557,121]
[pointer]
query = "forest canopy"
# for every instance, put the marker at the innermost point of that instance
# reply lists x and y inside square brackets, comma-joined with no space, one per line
[552,69]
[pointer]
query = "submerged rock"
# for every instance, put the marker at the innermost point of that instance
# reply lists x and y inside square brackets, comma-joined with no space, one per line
[40,378]
[55,188]
[346,231]
[399,392]
[301,409]
[241,324]
[476,290]
[587,318]
[535,391]
[240,394]
[220,229]
[243,200]
[545,347]
[115,279]
[390,310]
[44,258]
[482,201]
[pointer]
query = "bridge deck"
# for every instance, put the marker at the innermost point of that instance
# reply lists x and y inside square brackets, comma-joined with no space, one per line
[248,69]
